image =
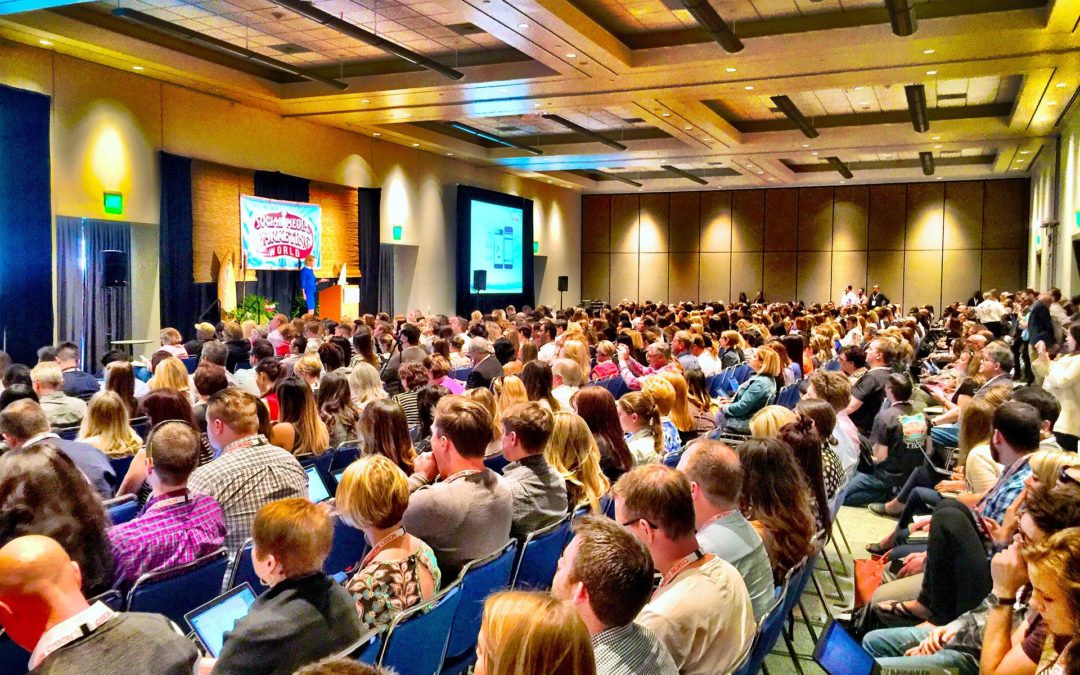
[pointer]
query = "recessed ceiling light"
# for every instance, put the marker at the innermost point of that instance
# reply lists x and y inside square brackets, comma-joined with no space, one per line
[1051,103]
[449,154]
[1025,152]
[806,145]
[771,178]
[814,154]
[749,87]
[931,72]
[937,138]
[537,105]
[857,89]
[416,145]
[136,67]
[376,134]
[364,100]
[938,145]
[1019,161]
[688,127]
[940,177]
[523,25]
[761,173]
[44,43]
[841,182]
[928,51]
[730,69]
[665,115]
[1061,85]
[571,55]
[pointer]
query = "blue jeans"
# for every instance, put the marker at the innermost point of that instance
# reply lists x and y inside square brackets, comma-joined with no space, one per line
[945,436]
[866,489]
[889,644]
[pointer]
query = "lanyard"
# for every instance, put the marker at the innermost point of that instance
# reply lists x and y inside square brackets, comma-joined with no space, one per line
[377,548]
[461,474]
[678,567]
[99,614]
[715,518]
[170,501]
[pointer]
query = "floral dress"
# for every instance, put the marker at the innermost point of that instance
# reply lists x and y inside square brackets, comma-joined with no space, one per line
[386,587]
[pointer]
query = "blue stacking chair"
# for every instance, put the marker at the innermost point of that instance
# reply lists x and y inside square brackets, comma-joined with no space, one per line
[322,464]
[242,569]
[496,462]
[742,373]
[832,365]
[177,591]
[789,396]
[349,547]
[460,374]
[712,384]
[141,426]
[242,365]
[415,642]
[345,454]
[769,628]
[479,579]
[607,505]
[540,555]
[122,509]
[191,363]
[67,433]
[120,466]
[366,649]
[143,373]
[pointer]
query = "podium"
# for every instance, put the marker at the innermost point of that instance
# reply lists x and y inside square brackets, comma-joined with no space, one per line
[338,301]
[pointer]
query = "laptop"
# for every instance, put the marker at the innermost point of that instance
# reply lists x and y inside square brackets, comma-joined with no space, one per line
[316,486]
[217,617]
[840,654]
[337,475]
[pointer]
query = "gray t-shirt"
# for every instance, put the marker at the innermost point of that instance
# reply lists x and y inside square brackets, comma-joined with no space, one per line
[734,539]
[539,494]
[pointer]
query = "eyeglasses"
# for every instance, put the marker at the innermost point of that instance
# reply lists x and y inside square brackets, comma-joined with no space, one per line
[1065,477]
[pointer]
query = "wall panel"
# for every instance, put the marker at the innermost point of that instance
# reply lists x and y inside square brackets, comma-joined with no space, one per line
[746,275]
[1003,268]
[595,224]
[887,217]
[1005,202]
[683,270]
[715,276]
[747,220]
[814,275]
[815,219]
[595,276]
[922,278]
[780,276]
[848,267]
[963,215]
[624,277]
[961,272]
[886,269]
[781,219]
[653,276]
[684,226]
[925,216]
[716,221]
[851,208]
[653,221]
[624,223]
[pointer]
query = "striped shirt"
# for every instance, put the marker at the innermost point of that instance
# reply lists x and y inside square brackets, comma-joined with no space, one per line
[172,530]
[631,650]
[407,401]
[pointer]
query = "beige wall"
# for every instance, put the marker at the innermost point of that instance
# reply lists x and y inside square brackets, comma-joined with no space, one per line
[923,243]
[109,124]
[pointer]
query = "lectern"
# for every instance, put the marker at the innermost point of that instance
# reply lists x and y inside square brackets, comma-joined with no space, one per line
[338,301]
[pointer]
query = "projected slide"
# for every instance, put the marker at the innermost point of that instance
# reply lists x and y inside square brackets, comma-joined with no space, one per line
[496,246]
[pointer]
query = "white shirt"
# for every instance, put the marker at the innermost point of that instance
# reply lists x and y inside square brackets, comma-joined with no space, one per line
[642,447]
[245,379]
[548,353]
[847,444]
[849,298]
[989,311]
[562,394]
[709,364]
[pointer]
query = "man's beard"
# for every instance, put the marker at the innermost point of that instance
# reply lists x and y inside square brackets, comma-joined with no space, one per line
[994,452]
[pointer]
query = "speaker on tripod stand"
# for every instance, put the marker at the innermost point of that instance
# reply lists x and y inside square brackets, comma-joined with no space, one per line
[114,274]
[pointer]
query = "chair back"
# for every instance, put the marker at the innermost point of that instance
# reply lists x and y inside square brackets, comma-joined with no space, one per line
[120,466]
[496,462]
[242,569]
[122,509]
[615,385]
[416,639]
[741,373]
[789,396]
[322,463]
[366,649]
[832,365]
[242,365]
[345,454]
[349,547]
[175,592]
[479,579]
[112,599]
[461,374]
[67,433]
[141,426]
[540,555]
[768,632]
[13,658]
[191,363]
[607,505]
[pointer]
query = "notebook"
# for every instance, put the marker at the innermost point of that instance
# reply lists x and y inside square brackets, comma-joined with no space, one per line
[840,654]
[317,490]
[217,617]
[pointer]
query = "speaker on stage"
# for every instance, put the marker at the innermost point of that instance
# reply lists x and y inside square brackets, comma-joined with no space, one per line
[479,280]
[115,265]
[564,284]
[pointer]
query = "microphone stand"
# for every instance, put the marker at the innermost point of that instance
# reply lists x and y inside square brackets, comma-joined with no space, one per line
[394,347]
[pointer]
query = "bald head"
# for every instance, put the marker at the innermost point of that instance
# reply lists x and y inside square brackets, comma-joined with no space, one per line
[714,468]
[39,587]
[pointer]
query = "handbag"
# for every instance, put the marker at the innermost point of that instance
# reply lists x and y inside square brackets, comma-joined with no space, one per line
[868,577]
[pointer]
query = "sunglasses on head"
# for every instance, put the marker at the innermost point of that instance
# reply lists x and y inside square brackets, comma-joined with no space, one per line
[1064,477]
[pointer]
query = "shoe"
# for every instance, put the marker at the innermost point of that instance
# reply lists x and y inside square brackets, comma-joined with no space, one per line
[877,550]
[880,510]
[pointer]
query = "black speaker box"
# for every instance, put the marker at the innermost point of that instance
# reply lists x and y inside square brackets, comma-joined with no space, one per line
[115,265]
[564,284]
[479,280]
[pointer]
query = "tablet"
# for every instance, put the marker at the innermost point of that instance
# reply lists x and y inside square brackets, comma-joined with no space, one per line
[316,486]
[217,617]
[337,475]
[840,654]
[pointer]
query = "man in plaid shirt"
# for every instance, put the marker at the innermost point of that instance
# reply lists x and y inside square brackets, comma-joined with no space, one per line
[175,527]
[250,472]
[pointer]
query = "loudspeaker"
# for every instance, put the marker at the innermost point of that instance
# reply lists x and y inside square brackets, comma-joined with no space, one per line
[479,280]
[116,268]
[564,284]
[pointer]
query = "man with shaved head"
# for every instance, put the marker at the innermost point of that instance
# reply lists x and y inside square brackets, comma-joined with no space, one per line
[43,610]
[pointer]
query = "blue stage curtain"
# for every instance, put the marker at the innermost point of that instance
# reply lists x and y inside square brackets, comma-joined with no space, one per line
[368,201]
[279,287]
[180,299]
[26,314]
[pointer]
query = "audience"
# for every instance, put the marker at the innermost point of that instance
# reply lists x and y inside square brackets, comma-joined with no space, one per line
[597,407]
[701,610]
[539,381]
[385,432]
[532,633]
[639,418]
[161,405]
[77,383]
[572,453]
[835,389]
[868,391]
[209,379]
[567,378]
[337,410]
[61,409]
[485,366]
[538,490]
[412,375]
[752,395]
[120,378]
[365,385]
[107,426]
[299,429]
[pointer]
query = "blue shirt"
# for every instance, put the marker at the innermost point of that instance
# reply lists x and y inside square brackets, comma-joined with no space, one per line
[307,283]
[1005,491]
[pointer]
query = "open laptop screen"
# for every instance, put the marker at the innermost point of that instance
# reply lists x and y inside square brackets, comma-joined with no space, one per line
[217,617]
[317,490]
[840,654]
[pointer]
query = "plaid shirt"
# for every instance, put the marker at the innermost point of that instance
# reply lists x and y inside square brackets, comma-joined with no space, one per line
[1005,491]
[249,474]
[631,650]
[173,529]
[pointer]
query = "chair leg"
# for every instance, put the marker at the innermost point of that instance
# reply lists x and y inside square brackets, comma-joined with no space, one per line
[806,622]
[832,573]
[764,669]
[843,536]
[836,547]
[821,596]
[794,656]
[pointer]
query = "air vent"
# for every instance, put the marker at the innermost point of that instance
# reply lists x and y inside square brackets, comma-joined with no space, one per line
[633,120]
[465,28]
[290,48]
[951,97]
[507,128]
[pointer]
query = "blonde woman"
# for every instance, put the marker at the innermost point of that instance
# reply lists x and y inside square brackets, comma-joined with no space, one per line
[107,426]
[1046,468]
[572,451]
[171,374]
[663,394]
[309,369]
[752,395]
[532,633]
[732,350]
[510,390]
[365,384]
[766,423]
[400,571]
[680,409]
[172,342]
[484,397]
[578,352]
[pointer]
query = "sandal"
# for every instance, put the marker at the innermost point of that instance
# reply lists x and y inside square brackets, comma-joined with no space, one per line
[879,509]
[877,549]
[898,610]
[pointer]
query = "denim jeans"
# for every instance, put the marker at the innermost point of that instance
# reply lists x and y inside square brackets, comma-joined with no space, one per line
[889,644]
[945,436]
[866,489]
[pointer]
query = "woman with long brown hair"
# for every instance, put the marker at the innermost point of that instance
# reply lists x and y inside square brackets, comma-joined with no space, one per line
[805,443]
[597,407]
[336,409]
[299,429]
[161,405]
[386,432]
[538,381]
[120,378]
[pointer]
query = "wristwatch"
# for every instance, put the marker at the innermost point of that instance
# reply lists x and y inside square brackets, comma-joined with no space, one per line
[995,601]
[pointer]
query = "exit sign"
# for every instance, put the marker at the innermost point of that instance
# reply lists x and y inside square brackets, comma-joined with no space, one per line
[114,203]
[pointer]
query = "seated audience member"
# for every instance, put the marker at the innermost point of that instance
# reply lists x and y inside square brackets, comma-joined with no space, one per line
[566,376]
[76,382]
[340,665]
[365,384]
[539,492]
[170,373]
[120,378]
[1049,409]
[823,418]
[716,479]
[658,356]
[204,332]
[868,391]
[304,615]
[539,381]
[332,355]
[412,375]
[400,571]
[994,367]
[217,353]
[766,422]
[835,389]
[597,407]
[173,342]
[606,575]
[43,492]
[247,378]
[899,439]
[41,602]
[663,395]
[426,400]
[572,453]
[385,432]
[640,420]
[752,395]
[485,366]
[17,392]
[107,426]
[777,499]
[250,472]
[699,400]
[336,409]
[701,611]
[468,514]
[17,374]
[308,368]
[805,445]
[160,406]
[61,410]
[299,429]
[486,398]
[209,379]
[24,425]
[268,375]
[237,346]
[175,527]
[606,367]
[524,632]
[438,370]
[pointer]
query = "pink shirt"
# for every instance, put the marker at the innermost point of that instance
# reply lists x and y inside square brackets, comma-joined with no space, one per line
[176,350]
[454,386]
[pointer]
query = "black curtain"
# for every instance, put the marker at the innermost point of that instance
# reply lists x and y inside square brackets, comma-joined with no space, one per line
[26,314]
[91,315]
[180,298]
[386,271]
[369,200]
[277,286]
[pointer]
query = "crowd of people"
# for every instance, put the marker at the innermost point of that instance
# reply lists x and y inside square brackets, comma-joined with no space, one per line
[475,431]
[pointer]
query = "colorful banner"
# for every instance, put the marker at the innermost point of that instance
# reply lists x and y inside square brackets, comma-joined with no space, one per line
[278,235]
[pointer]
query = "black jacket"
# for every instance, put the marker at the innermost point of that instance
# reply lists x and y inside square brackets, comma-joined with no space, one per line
[239,350]
[484,372]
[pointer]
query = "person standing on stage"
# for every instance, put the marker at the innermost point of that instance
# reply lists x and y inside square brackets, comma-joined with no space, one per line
[308,284]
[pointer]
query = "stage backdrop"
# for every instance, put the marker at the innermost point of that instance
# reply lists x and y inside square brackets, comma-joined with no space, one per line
[275,233]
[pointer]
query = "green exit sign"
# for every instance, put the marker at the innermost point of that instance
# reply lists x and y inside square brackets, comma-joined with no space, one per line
[1078,218]
[397,233]
[114,203]
[536,247]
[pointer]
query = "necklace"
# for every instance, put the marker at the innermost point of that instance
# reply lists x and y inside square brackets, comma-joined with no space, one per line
[377,548]
[678,567]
